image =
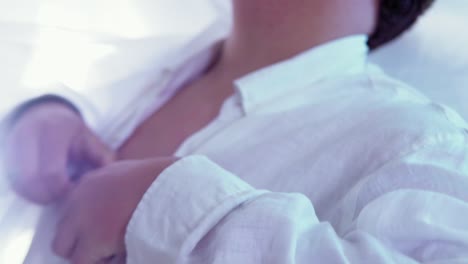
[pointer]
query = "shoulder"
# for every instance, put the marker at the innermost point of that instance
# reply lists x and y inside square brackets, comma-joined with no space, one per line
[398,106]
[382,118]
[400,120]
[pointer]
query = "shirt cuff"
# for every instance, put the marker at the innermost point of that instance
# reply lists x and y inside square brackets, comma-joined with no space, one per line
[187,199]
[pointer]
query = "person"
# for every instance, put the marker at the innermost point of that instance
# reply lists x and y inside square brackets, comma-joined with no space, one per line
[279,144]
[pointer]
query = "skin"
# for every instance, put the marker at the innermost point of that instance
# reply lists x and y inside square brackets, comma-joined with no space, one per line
[265,32]
[47,138]
[288,28]
[257,24]
[96,213]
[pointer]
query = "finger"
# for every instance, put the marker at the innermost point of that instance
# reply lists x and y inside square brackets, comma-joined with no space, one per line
[33,190]
[116,259]
[36,159]
[21,156]
[87,252]
[58,184]
[120,259]
[66,238]
[81,255]
[96,151]
[42,190]
[55,151]
[23,165]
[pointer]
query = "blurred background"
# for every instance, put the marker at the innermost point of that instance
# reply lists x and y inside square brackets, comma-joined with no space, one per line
[48,41]
[78,42]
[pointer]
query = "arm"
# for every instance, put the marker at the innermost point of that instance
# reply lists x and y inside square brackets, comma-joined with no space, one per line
[413,210]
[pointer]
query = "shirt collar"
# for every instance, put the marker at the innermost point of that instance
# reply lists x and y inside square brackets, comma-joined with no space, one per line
[337,58]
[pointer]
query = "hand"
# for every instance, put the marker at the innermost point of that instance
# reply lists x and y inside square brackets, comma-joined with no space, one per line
[98,210]
[43,144]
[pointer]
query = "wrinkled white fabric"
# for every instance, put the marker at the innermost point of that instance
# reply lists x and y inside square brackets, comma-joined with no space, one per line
[313,161]
[357,168]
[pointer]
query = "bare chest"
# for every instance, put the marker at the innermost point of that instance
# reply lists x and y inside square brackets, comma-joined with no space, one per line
[166,129]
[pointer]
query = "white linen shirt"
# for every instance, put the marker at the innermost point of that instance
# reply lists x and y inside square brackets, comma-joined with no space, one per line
[317,159]
[320,158]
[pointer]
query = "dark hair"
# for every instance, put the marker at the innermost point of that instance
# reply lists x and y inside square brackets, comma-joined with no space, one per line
[395,17]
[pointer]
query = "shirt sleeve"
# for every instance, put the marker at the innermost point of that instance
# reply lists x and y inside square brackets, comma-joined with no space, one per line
[412,210]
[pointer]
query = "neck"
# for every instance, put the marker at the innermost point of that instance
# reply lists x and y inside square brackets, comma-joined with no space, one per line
[268,31]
